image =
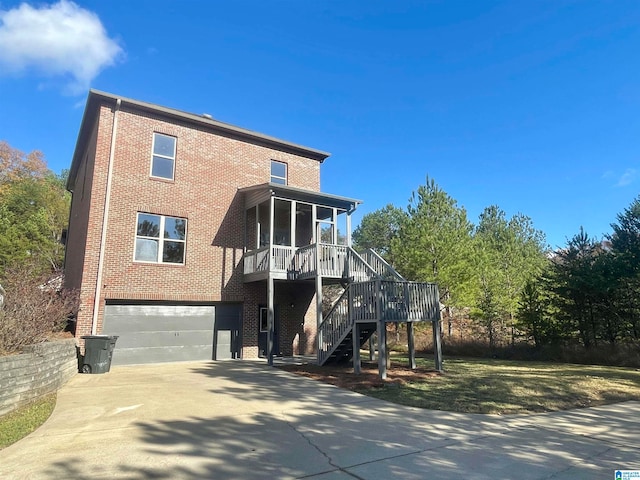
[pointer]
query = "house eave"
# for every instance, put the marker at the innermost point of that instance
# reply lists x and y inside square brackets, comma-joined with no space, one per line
[301,194]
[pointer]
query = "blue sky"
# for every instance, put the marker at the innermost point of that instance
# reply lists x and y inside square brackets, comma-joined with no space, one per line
[533,106]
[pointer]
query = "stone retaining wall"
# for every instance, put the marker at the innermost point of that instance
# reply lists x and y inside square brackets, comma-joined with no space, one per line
[39,370]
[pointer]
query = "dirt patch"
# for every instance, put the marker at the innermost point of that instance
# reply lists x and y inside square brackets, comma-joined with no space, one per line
[343,376]
[59,335]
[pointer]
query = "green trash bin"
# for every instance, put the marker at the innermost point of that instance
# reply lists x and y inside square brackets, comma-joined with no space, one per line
[98,351]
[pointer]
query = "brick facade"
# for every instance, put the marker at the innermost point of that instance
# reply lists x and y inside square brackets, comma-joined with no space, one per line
[210,166]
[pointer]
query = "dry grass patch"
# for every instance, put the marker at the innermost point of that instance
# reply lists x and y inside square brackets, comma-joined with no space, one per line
[487,386]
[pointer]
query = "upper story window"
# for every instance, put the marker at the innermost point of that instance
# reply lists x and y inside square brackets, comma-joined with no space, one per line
[278,172]
[160,239]
[164,156]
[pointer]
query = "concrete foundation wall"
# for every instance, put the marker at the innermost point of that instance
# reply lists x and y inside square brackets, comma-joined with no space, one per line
[40,370]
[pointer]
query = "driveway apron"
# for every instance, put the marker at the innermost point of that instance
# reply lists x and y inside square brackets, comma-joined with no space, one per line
[244,420]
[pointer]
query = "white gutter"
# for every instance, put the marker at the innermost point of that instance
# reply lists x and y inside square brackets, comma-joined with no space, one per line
[105,218]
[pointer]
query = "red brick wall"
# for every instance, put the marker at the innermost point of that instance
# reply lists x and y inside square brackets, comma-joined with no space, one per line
[295,305]
[209,170]
[297,310]
[88,205]
[79,217]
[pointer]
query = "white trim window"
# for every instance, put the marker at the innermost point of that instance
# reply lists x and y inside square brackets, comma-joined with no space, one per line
[160,239]
[264,319]
[278,172]
[163,159]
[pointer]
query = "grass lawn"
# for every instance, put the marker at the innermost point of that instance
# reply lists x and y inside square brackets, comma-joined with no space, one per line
[23,421]
[474,385]
[499,386]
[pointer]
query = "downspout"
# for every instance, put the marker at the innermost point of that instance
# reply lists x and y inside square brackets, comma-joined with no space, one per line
[105,218]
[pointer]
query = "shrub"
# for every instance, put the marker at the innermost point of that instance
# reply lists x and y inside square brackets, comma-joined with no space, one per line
[35,306]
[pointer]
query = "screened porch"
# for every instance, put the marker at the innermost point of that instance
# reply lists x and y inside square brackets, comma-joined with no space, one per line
[296,234]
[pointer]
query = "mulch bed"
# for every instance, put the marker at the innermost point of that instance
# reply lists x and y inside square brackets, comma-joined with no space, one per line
[343,376]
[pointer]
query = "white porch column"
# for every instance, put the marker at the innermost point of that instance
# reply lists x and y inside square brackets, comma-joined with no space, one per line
[294,220]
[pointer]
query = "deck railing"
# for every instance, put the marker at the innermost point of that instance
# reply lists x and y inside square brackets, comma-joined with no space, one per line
[282,257]
[337,261]
[376,301]
[332,260]
[305,262]
[256,261]
[402,301]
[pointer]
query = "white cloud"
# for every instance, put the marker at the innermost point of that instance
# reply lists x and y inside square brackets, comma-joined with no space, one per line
[627,177]
[56,40]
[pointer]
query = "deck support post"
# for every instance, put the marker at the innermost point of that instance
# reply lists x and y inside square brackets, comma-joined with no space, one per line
[412,346]
[382,333]
[372,349]
[270,319]
[355,332]
[318,311]
[356,348]
[382,349]
[437,345]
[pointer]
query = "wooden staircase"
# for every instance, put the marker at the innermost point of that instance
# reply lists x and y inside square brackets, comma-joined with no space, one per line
[374,295]
[344,350]
[374,292]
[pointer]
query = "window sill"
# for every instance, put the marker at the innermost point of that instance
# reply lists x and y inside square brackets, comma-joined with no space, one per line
[164,264]
[162,180]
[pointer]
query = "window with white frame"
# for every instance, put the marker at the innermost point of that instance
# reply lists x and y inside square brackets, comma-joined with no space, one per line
[278,172]
[326,225]
[264,319]
[160,239]
[163,159]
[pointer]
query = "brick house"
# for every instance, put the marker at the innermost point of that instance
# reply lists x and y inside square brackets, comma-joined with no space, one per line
[193,239]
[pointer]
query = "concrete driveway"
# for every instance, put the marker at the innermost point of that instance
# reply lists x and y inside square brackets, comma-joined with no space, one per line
[244,420]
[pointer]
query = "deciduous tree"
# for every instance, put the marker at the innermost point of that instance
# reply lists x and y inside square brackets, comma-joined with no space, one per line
[34,210]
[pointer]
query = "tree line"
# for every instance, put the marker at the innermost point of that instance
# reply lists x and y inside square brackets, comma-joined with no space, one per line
[500,275]
[34,212]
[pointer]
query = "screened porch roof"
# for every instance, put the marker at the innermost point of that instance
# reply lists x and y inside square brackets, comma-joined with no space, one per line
[257,194]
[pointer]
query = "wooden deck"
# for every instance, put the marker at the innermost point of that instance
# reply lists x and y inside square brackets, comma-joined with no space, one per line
[375,293]
[376,301]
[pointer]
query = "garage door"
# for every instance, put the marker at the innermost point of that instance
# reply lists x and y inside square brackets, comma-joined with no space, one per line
[154,333]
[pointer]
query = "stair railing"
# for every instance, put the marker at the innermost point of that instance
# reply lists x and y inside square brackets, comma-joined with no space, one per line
[358,302]
[373,301]
[380,265]
[357,269]
[334,327]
